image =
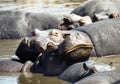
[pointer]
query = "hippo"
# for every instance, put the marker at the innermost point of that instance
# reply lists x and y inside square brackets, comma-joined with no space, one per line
[107,77]
[17,24]
[81,70]
[98,9]
[71,21]
[103,37]
[14,65]
[64,48]
[31,47]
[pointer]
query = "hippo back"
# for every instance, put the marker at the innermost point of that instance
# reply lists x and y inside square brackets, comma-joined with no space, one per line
[104,36]
[91,7]
[9,65]
[109,77]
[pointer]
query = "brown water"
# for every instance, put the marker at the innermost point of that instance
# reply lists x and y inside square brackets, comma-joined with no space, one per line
[8,47]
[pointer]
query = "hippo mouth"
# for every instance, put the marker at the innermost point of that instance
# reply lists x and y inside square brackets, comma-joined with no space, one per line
[79,52]
[80,46]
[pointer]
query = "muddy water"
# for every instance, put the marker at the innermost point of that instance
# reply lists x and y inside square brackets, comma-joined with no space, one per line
[8,47]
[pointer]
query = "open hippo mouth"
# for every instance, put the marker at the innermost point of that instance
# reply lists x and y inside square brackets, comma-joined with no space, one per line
[79,52]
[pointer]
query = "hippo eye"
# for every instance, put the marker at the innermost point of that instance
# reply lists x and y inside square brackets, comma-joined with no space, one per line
[78,34]
[66,36]
[56,33]
[76,37]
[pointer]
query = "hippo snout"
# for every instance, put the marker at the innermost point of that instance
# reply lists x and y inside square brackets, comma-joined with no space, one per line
[76,46]
[79,52]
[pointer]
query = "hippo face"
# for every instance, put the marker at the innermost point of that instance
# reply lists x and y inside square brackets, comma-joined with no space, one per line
[72,21]
[53,35]
[76,45]
[30,48]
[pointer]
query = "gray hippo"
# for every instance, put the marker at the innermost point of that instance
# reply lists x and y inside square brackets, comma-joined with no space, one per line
[71,21]
[16,24]
[102,36]
[98,9]
[81,70]
[107,77]
[68,47]
[14,65]
[31,47]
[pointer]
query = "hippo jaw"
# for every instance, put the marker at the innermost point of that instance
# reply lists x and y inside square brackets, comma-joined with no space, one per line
[78,47]
[79,52]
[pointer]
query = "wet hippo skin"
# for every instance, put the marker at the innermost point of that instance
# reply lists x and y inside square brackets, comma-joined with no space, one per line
[16,24]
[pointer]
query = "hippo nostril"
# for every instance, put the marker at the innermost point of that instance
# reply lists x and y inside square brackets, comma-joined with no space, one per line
[41,50]
[54,33]
[33,33]
[81,23]
[50,45]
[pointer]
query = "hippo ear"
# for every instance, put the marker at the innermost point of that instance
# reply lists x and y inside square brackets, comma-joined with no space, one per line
[94,69]
[27,66]
[98,17]
[67,20]
[35,32]
[85,66]
[67,35]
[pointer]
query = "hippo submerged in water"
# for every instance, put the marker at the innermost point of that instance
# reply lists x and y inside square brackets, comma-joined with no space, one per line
[16,24]
[98,9]
[77,45]
[109,77]
[97,39]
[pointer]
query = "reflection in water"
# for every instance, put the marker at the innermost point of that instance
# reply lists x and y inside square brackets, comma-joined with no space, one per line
[39,7]
[30,78]
[8,47]
[9,78]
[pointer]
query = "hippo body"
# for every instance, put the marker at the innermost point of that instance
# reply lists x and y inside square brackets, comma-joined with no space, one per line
[109,77]
[16,24]
[15,65]
[104,36]
[8,65]
[77,71]
[100,7]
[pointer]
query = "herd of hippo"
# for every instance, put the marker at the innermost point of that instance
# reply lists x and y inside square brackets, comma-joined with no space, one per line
[63,48]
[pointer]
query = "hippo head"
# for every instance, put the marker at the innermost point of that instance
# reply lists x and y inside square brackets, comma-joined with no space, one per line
[72,21]
[30,48]
[76,46]
[62,48]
